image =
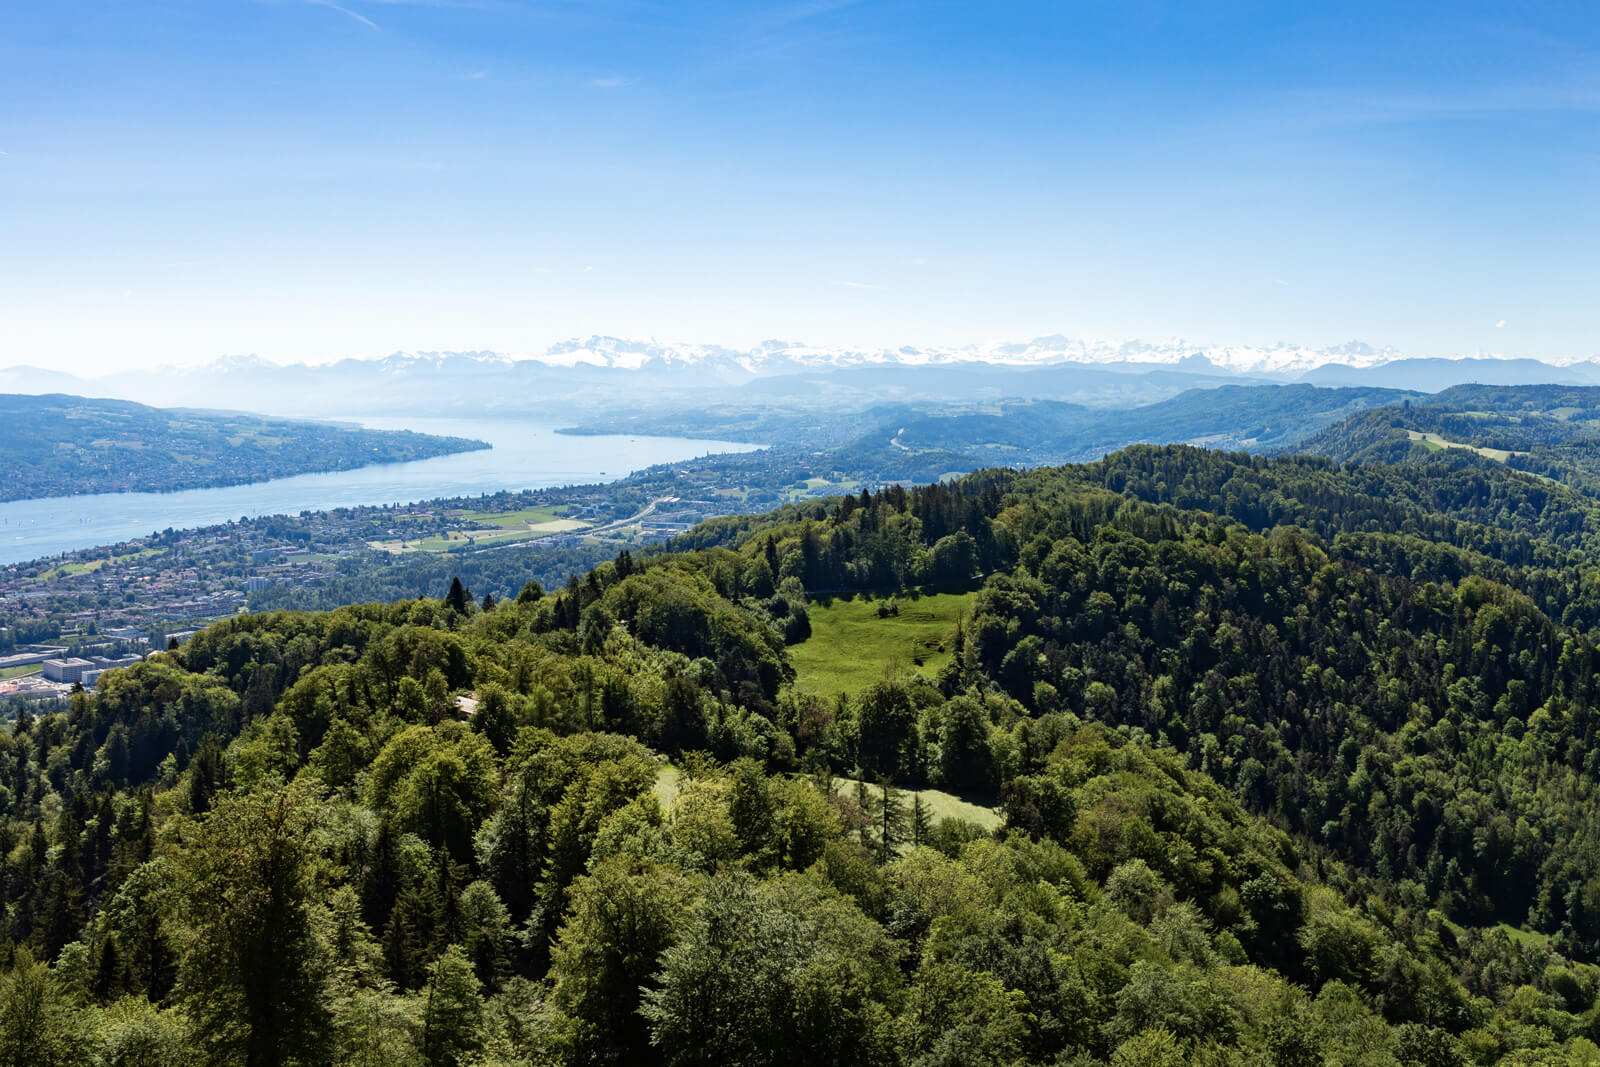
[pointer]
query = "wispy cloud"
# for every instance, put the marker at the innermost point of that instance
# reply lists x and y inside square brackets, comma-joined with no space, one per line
[477,75]
[610,81]
[346,11]
[1339,108]
[853,285]
[795,29]
[801,12]
[1500,325]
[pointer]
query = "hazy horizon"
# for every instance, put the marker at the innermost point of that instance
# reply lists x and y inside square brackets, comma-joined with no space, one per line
[604,350]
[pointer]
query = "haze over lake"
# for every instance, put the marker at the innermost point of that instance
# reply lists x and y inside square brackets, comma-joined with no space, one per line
[525,455]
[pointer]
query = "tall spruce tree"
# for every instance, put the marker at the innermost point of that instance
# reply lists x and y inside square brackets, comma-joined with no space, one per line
[864,802]
[921,822]
[891,819]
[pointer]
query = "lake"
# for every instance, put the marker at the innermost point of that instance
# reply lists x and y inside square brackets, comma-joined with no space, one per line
[525,455]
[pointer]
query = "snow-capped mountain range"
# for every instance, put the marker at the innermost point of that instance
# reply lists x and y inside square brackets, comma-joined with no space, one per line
[787,357]
[619,372]
[782,357]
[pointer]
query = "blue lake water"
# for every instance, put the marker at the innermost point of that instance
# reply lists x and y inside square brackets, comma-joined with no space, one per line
[525,455]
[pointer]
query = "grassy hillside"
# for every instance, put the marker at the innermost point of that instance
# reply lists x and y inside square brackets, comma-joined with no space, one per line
[855,641]
[66,445]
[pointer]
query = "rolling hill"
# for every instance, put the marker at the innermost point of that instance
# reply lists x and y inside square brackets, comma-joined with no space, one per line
[58,445]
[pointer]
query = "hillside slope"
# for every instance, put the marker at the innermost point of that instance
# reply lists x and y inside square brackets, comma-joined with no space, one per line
[1550,431]
[60,445]
[1020,426]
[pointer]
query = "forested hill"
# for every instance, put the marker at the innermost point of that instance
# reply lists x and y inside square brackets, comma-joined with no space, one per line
[60,445]
[1263,761]
[1548,430]
[933,438]
[1027,433]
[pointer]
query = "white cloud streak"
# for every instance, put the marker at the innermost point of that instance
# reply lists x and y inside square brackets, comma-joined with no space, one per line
[346,11]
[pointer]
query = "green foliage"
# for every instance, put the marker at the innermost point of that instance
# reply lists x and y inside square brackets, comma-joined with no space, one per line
[765,978]
[36,1025]
[252,977]
[438,782]
[452,1016]
[623,916]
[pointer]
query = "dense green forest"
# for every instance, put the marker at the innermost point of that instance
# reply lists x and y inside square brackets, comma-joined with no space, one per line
[60,445]
[1290,763]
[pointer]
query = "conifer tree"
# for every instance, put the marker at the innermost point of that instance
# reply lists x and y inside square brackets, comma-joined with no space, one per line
[458,599]
[864,801]
[921,821]
[452,1021]
[892,820]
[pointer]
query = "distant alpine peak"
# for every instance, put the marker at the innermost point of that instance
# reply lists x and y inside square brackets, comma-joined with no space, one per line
[631,353]
[239,363]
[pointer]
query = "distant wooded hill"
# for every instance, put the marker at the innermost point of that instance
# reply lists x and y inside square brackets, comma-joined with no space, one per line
[914,442]
[61,445]
[1552,431]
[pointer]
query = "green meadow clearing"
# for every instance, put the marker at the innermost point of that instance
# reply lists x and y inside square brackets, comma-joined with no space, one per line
[1434,443]
[850,647]
[669,780]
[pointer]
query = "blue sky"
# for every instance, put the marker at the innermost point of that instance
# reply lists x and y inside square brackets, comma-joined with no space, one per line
[310,180]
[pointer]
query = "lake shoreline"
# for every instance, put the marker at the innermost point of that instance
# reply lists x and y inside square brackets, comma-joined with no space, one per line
[233,483]
[519,455]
